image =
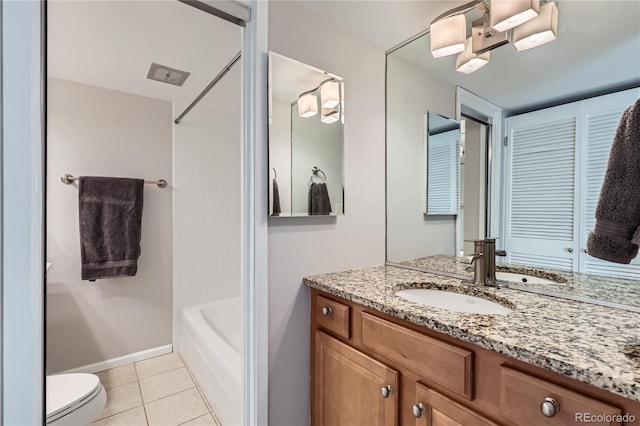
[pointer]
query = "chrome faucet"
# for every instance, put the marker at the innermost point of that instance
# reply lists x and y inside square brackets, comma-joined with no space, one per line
[484,261]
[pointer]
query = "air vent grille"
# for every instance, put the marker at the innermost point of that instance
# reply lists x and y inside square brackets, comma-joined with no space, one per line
[167,74]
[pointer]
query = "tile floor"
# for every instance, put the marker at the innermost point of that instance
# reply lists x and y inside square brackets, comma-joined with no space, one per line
[156,391]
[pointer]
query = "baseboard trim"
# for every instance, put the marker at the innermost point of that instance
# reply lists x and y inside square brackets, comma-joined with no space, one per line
[122,360]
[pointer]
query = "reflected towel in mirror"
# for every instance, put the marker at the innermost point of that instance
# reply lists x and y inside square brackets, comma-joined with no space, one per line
[616,235]
[275,209]
[319,203]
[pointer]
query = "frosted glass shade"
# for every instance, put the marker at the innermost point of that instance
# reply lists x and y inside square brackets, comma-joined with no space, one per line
[307,105]
[506,14]
[448,36]
[330,94]
[330,115]
[468,62]
[538,31]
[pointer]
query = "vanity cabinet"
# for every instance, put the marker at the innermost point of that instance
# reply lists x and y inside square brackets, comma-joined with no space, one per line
[352,388]
[435,409]
[369,368]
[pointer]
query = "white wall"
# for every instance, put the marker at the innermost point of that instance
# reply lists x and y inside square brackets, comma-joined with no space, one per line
[304,246]
[412,92]
[101,132]
[207,206]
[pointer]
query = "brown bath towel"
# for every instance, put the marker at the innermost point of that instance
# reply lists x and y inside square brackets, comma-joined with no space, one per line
[616,236]
[110,226]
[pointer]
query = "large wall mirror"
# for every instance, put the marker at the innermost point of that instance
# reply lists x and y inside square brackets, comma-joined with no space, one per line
[597,52]
[306,127]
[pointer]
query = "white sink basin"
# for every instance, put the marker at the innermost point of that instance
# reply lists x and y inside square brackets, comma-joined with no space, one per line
[522,278]
[452,301]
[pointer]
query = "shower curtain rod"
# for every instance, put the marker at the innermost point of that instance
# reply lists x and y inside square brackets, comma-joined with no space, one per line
[209,87]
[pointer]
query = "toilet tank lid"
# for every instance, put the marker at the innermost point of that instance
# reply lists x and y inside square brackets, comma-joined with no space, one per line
[65,390]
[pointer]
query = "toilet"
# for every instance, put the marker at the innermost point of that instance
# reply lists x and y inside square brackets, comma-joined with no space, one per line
[74,399]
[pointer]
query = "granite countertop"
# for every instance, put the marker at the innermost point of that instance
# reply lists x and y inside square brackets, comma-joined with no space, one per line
[595,344]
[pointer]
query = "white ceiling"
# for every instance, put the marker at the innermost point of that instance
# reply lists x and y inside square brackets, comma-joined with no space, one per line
[111,44]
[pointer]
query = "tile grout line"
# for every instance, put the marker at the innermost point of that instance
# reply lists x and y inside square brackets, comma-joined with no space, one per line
[175,393]
[144,408]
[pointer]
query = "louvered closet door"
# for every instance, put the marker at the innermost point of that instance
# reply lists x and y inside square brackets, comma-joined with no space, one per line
[541,203]
[442,173]
[601,118]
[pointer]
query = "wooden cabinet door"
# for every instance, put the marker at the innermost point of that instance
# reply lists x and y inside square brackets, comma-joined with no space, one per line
[438,410]
[348,387]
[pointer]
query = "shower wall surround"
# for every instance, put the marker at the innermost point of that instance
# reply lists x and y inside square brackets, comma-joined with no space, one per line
[206,224]
[101,132]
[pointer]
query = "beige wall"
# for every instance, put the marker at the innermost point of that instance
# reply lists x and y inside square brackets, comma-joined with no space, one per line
[311,245]
[411,92]
[100,132]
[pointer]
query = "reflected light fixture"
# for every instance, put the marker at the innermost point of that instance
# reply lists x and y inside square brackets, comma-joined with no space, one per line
[448,36]
[507,14]
[468,62]
[538,31]
[330,101]
[307,105]
[330,115]
[330,93]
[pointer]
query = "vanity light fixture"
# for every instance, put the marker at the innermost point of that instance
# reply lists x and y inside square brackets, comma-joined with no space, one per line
[507,14]
[538,31]
[526,23]
[448,36]
[307,105]
[468,62]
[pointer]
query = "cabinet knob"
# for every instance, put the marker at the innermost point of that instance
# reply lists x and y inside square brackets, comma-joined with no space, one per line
[386,391]
[569,249]
[549,407]
[418,409]
[327,310]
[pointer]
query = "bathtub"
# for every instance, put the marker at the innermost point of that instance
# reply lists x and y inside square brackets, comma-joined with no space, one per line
[211,345]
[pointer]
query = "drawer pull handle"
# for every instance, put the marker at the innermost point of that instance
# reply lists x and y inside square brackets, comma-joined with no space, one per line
[386,391]
[418,409]
[327,310]
[549,407]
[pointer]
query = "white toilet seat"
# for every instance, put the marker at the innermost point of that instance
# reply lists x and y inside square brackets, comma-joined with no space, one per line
[75,398]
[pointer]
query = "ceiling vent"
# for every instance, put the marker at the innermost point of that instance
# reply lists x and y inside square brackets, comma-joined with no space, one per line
[167,74]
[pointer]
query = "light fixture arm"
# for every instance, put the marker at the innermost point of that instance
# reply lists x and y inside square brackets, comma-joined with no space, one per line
[458,10]
[314,90]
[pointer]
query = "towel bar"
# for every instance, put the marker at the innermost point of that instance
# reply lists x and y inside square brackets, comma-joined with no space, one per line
[69,179]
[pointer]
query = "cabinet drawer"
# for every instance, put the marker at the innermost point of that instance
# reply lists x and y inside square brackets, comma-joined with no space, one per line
[333,316]
[441,363]
[522,397]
